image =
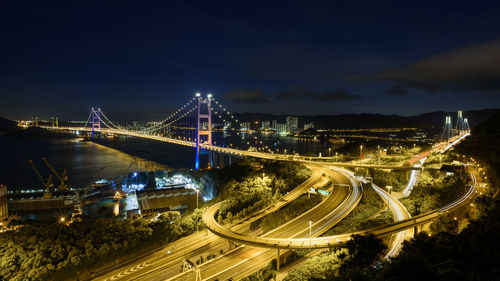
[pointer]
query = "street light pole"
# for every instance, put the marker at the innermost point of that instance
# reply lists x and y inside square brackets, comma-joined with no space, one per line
[310,233]
[389,188]
[197,192]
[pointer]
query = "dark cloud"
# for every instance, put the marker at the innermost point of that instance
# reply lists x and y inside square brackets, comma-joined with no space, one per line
[246,96]
[308,94]
[472,68]
[180,65]
[396,90]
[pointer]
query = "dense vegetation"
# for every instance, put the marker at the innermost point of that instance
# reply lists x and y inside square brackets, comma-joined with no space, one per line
[256,185]
[483,145]
[369,205]
[430,193]
[396,179]
[39,252]
[291,211]
[348,263]
[476,249]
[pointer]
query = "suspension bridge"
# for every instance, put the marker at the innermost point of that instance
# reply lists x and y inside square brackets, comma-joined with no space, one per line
[192,125]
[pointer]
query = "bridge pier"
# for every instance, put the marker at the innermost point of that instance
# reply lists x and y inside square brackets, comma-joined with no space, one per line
[278,261]
[417,229]
[230,245]
[219,160]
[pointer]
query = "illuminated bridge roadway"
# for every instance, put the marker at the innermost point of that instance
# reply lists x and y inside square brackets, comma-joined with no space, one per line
[238,153]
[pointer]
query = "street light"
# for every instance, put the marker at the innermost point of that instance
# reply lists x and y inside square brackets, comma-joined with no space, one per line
[197,192]
[329,150]
[310,233]
[389,188]
[198,95]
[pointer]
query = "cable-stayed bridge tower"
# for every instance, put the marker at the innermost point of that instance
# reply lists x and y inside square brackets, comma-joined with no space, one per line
[460,126]
[446,135]
[466,124]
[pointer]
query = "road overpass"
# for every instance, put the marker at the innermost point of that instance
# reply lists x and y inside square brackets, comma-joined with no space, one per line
[204,243]
[404,222]
[323,216]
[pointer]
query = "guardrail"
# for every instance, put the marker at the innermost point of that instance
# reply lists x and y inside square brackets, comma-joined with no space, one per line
[328,241]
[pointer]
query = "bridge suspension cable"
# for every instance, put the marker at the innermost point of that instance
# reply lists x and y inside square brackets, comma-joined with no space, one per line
[173,121]
[217,103]
[104,122]
[88,119]
[169,118]
[110,122]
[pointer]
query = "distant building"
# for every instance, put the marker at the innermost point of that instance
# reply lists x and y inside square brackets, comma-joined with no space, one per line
[292,124]
[308,125]
[265,125]
[281,128]
[245,126]
[178,199]
[274,125]
[451,170]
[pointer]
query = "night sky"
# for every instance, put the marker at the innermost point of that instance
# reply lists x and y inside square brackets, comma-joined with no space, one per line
[142,59]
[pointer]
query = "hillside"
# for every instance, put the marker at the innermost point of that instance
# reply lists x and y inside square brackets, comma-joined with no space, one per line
[7,125]
[484,145]
[368,121]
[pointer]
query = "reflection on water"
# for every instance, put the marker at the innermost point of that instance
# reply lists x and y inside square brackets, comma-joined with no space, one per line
[85,162]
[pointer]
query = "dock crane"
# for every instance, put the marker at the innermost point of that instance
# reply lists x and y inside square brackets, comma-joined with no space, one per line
[46,183]
[61,177]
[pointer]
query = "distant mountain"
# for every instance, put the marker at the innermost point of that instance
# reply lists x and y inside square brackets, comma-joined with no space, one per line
[369,121]
[484,145]
[7,125]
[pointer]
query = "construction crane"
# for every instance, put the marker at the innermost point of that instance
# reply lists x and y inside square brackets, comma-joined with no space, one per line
[61,177]
[47,184]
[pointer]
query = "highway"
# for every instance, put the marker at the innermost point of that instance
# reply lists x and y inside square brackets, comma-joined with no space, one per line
[400,213]
[203,243]
[323,220]
[244,260]
[403,222]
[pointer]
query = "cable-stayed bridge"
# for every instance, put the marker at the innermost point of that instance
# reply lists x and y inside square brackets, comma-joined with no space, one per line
[192,125]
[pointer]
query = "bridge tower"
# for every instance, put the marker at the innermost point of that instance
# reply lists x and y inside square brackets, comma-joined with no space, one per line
[446,135]
[466,124]
[203,135]
[460,127]
[96,122]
